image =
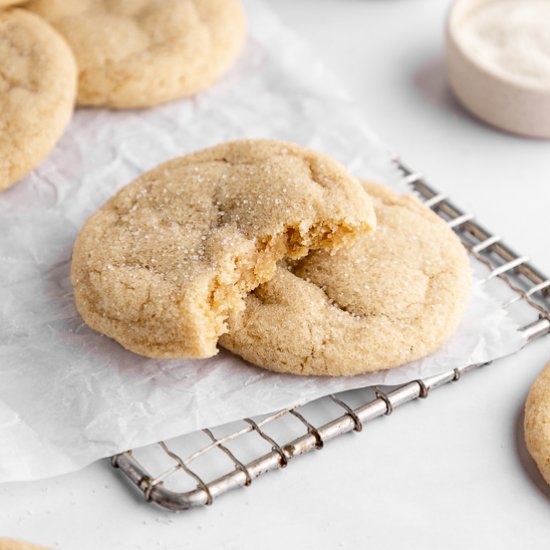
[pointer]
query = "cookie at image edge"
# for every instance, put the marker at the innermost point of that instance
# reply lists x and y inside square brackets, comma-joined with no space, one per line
[395,296]
[12,544]
[162,264]
[537,422]
[139,53]
[37,92]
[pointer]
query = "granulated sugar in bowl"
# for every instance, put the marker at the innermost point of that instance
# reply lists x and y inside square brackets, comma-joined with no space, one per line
[498,62]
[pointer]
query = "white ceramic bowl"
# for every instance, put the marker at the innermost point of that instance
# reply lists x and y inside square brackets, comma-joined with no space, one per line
[502,101]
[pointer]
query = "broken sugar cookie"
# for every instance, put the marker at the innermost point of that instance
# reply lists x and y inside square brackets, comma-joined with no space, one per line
[37,92]
[164,262]
[139,53]
[395,296]
[537,422]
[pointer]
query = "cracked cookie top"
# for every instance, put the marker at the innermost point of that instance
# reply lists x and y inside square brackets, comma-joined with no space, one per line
[37,92]
[164,262]
[395,296]
[138,53]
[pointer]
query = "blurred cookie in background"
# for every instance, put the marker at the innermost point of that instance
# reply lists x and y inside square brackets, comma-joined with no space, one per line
[37,92]
[537,422]
[12,544]
[139,53]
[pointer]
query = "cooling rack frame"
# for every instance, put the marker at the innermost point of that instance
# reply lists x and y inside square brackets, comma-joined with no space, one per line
[528,284]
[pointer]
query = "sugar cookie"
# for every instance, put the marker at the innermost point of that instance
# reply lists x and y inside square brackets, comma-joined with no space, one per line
[396,295]
[162,264]
[37,92]
[537,422]
[11,544]
[138,53]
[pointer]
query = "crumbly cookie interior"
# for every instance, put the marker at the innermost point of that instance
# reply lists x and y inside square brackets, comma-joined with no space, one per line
[228,290]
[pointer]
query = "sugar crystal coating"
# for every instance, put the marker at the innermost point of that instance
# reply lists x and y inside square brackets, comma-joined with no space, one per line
[162,264]
[396,295]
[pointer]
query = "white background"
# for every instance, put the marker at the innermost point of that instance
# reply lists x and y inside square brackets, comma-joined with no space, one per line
[447,472]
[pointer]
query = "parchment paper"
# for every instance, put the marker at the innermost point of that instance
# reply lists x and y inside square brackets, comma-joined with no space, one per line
[69,396]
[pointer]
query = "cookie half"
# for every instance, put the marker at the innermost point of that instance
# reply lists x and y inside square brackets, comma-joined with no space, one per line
[163,263]
[396,295]
[537,422]
[138,53]
[37,92]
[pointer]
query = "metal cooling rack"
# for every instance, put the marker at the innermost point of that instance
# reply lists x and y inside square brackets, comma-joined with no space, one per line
[194,470]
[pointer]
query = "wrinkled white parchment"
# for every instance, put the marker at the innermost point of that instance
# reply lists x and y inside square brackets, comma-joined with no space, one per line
[69,396]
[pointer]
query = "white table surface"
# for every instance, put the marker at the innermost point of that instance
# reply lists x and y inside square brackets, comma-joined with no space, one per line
[444,473]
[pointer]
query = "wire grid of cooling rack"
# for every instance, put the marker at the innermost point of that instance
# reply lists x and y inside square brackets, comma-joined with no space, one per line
[521,284]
